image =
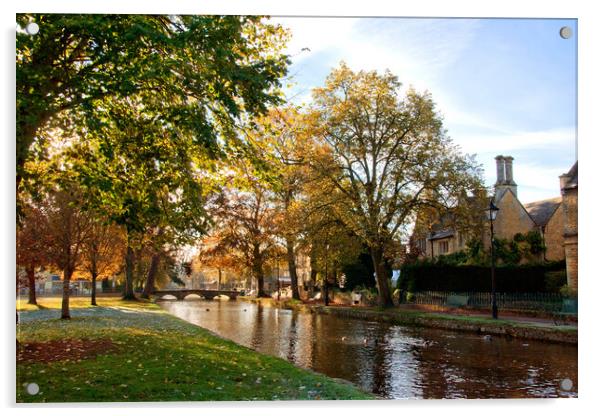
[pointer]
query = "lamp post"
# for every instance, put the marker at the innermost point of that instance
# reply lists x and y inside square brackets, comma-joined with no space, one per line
[491,214]
[278,276]
[325,285]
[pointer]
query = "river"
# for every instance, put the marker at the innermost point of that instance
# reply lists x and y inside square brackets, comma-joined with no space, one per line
[393,361]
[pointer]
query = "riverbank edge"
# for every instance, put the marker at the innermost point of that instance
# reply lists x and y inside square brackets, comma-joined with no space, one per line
[340,381]
[483,326]
[346,386]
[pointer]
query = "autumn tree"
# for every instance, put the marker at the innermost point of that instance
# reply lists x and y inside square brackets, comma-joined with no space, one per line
[243,215]
[327,240]
[385,154]
[102,251]
[216,252]
[68,229]
[31,244]
[208,70]
[280,141]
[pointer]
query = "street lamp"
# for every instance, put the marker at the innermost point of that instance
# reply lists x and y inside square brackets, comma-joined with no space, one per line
[325,284]
[278,277]
[491,214]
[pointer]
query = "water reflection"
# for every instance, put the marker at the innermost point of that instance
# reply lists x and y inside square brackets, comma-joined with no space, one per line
[389,360]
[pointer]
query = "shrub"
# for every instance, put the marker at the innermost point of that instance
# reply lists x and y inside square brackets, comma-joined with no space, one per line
[359,273]
[369,295]
[520,249]
[424,276]
[535,241]
[555,280]
[568,292]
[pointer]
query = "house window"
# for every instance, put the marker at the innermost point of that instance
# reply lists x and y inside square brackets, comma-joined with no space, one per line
[422,245]
[443,247]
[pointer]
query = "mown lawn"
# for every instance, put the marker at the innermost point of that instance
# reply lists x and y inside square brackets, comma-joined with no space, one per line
[150,356]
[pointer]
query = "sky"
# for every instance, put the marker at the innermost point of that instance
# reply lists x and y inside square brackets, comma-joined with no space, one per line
[503,86]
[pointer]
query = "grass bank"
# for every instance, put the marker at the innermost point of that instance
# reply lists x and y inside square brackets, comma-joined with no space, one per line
[135,351]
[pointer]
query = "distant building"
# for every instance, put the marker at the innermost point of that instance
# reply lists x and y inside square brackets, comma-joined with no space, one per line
[569,189]
[514,217]
[555,219]
[52,284]
[279,275]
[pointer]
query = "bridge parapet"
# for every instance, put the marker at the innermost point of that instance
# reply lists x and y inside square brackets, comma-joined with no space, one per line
[180,294]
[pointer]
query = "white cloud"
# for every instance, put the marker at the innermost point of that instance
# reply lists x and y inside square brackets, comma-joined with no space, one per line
[512,141]
[536,182]
[315,33]
[417,50]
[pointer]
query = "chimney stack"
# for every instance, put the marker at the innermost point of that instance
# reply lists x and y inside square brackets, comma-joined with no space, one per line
[499,161]
[564,179]
[505,176]
[508,164]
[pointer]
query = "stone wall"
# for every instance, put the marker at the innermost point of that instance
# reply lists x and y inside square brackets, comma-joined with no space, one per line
[569,207]
[512,218]
[554,236]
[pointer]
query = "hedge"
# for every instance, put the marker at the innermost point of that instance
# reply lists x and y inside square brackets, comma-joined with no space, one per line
[425,276]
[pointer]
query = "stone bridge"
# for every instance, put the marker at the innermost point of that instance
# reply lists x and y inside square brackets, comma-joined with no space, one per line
[204,293]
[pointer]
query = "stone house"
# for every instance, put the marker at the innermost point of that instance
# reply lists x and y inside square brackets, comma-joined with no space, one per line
[548,217]
[52,284]
[568,189]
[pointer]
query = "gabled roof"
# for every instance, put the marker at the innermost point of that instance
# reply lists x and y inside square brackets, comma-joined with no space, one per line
[542,211]
[520,204]
[497,199]
[441,234]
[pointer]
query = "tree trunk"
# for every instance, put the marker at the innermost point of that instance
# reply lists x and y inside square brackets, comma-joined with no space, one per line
[325,291]
[260,292]
[128,293]
[258,272]
[65,313]
[313,264]
[292,267]
[31,283]
[149,286]
[93,295]
[382,281]
[312,283]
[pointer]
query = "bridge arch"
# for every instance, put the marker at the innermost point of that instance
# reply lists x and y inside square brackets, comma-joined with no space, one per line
[168,297]
[193,296]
